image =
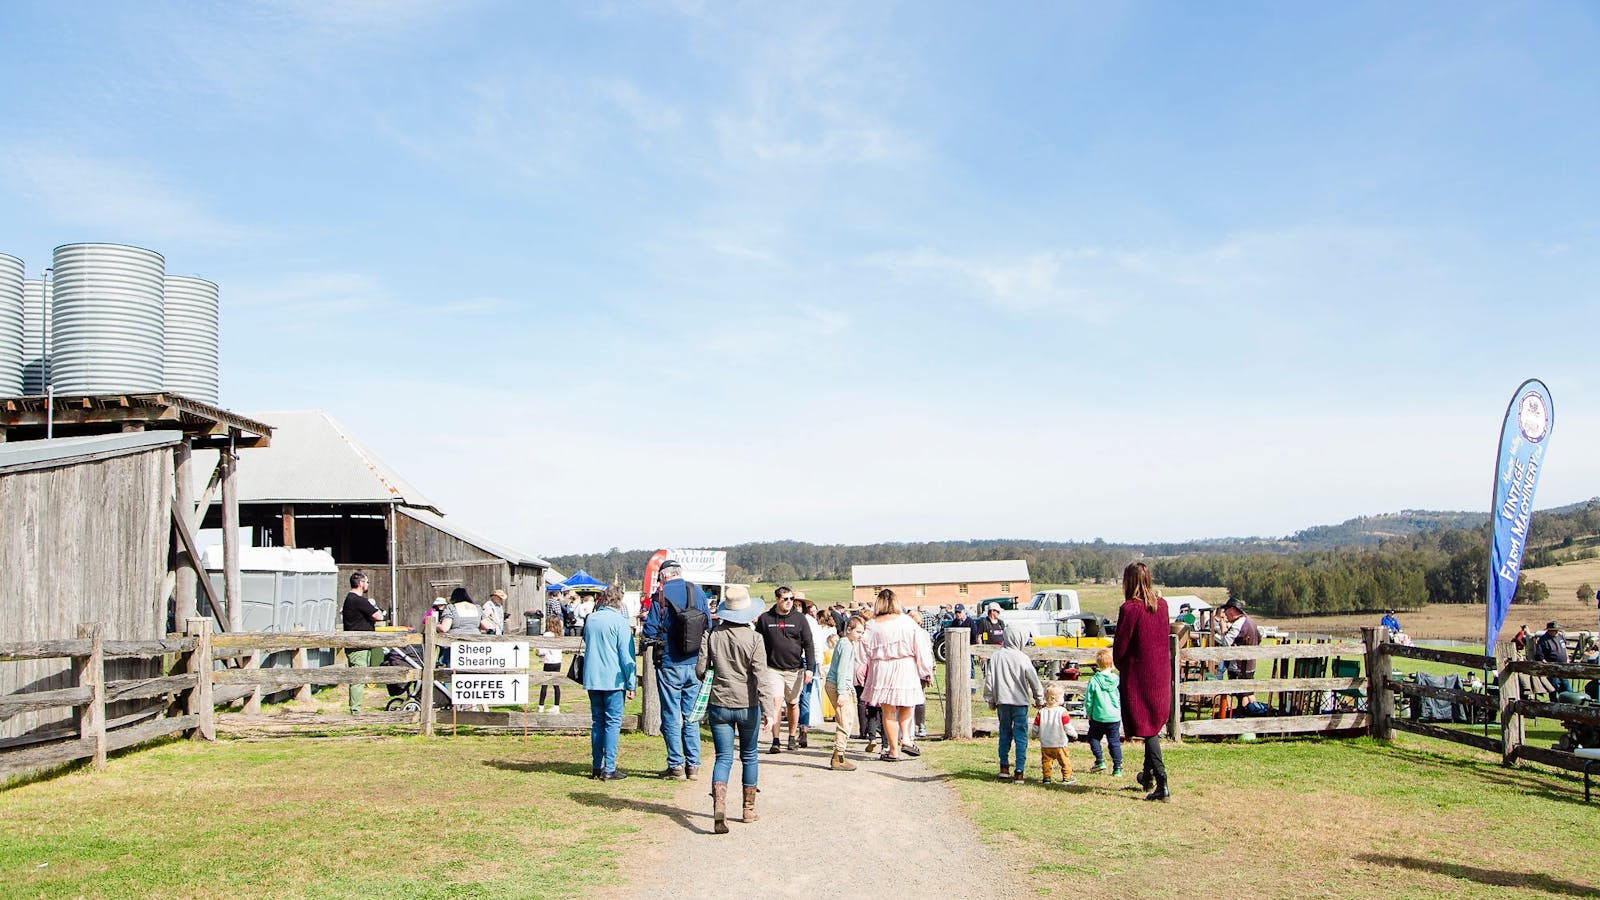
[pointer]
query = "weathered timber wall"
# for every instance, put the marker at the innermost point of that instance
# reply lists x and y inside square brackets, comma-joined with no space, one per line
[82,542]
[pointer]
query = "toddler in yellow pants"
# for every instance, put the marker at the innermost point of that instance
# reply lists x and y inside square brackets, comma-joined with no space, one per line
[1054,728]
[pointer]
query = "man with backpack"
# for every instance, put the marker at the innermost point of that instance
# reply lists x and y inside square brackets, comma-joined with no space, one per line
[677,622]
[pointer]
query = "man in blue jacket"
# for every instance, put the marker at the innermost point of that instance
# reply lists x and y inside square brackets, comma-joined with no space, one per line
[676,683]
[609,677]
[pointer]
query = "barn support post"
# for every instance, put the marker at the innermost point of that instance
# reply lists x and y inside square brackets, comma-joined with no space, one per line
[1380,702]
[91,673]
[394,567]
[287,517]
[649,699]
[430,654]
[186,580]
[957,683]
[1512,729]
[200,702]
[1175,715]
[230,538]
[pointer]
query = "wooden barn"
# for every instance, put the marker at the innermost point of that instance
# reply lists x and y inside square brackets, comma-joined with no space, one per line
[87,522]
[318,487]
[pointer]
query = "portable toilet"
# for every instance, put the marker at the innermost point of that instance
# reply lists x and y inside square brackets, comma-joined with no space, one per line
[283,589]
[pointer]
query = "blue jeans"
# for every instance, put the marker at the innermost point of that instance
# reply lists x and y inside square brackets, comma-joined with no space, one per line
[678,689]
[726,722]
[605,727]
[1014,731]
[1112,732]
[805,697]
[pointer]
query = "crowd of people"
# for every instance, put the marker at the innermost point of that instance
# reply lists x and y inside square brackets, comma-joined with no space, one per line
[755,675]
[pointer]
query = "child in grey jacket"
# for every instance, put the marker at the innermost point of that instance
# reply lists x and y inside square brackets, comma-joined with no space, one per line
[1010,684]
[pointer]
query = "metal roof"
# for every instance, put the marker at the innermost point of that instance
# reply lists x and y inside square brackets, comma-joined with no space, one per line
[448,526]
[313,460]
[940,573]
[22,456]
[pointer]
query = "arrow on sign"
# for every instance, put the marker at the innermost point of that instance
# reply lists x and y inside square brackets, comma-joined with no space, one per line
[515,683]
[516,656]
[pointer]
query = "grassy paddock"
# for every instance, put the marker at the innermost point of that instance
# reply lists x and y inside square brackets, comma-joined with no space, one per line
[483,816]
[1294,818]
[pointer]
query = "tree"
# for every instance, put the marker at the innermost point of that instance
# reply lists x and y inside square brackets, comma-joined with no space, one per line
[1530,591]
[1585,592]
[781,573]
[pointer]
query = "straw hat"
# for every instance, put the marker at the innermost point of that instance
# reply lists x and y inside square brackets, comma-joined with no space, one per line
[737,607]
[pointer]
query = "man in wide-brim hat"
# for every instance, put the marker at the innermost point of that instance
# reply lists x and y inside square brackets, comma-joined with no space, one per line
[1551,646]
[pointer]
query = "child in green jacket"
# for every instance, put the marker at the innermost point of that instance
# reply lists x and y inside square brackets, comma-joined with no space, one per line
[1103,704]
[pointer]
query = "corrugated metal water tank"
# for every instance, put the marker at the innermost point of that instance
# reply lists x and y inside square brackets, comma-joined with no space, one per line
[10,326]
[106,319]
[35,328]
[192,308]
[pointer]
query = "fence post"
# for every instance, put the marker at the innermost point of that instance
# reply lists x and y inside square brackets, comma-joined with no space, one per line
[1380,701]
[1175,715]
[91,673]
[649,700]
[252,702]
[957,683]
[1512,730]
[200,703]
[302,661]
[430,654]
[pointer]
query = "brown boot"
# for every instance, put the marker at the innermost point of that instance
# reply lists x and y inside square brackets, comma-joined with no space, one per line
[841,764]
[719,808]
[749,803]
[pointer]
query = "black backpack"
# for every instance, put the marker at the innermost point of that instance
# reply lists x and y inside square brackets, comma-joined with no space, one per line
[686,627]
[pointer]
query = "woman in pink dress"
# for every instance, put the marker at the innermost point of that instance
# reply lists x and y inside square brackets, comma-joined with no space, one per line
[894,660]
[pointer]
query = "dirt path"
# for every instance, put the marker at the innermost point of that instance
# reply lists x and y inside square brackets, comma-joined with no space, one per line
[900,820]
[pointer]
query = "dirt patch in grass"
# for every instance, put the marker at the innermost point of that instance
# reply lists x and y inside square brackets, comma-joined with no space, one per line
[1351,818]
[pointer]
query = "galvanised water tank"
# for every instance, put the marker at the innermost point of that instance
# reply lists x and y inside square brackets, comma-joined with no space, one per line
[190,364]
[35,329]
[10,326]
[106,319]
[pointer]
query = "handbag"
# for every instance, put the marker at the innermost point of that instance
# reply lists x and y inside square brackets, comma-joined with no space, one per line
[575,668]
[704,700]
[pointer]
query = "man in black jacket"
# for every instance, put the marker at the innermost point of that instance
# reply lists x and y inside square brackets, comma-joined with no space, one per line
[790,654]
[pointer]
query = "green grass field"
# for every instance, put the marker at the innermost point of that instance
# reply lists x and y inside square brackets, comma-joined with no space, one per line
[485,816]
[1296,818]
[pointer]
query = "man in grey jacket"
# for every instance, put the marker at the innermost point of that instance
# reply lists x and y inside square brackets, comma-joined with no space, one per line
[1010,684]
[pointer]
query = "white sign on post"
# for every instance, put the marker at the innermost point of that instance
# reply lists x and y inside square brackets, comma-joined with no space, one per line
[489,689]
[496,655]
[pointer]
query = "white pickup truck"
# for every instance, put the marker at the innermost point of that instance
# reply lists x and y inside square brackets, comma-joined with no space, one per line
[1046,614]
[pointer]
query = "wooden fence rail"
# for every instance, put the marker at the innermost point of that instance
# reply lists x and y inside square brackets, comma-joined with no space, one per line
[960,724]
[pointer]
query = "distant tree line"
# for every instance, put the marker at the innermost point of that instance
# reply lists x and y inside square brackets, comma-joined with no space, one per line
[1401,560]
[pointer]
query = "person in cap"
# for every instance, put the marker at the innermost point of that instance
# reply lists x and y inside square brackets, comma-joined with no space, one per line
[1239,631]
[962,620]
[494,613]
[672,607]
[1390,623]
[1186,615]
[990,629]
[1551,646]
[735,658]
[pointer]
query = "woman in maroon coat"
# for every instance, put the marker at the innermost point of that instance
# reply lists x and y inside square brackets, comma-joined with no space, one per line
[1141,655]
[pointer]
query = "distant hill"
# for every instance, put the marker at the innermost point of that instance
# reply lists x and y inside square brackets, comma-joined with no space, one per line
[1370,531]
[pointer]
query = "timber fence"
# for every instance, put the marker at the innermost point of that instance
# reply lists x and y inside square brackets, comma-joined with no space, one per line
[1329,687]
[203,670]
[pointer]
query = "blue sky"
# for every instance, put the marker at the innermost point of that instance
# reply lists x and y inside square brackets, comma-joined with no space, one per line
[856,272]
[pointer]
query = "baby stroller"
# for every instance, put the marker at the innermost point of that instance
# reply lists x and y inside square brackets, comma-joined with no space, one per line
[407,697]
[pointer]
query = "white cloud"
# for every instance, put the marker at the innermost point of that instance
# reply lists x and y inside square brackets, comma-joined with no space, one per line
[1056,280]
[120,200]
